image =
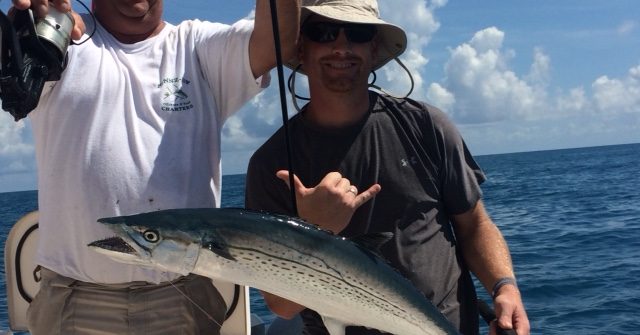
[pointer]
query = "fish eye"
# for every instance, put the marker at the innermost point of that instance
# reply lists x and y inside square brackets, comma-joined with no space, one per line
[151,235]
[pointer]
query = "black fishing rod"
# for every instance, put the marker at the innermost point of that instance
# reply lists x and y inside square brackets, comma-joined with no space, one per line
[283,102]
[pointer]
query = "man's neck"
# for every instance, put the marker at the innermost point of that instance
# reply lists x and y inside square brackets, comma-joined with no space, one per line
[131,31]
[130,38]
[337,109]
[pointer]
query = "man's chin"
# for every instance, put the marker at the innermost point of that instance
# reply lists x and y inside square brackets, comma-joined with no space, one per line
[340,85]
[137,11]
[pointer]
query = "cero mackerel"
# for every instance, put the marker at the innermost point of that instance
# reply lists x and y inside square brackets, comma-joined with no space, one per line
[341,279]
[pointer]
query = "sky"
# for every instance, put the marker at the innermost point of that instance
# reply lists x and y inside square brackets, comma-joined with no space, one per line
[512,75]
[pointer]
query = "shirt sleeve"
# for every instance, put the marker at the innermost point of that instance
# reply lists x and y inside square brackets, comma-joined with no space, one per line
[223,51]
[460,174]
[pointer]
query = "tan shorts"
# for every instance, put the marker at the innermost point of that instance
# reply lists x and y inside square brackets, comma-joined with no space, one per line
[64,306]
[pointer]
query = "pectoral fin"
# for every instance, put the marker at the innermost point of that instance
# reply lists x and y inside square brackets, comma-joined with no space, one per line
[217,245]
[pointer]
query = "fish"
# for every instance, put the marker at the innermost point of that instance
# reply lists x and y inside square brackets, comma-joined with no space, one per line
[344,280]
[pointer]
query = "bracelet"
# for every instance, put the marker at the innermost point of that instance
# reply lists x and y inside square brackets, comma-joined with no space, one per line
[502,282]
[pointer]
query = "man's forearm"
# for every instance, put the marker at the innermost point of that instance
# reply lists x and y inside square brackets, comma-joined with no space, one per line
[484,249]
[488,257]
[262,46]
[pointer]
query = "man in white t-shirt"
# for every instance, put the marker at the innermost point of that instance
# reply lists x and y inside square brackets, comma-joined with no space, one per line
[133,126]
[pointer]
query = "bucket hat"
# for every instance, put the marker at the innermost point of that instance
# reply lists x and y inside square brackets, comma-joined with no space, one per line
[392,39]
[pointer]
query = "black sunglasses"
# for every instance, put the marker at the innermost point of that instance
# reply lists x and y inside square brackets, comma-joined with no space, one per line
[324,32]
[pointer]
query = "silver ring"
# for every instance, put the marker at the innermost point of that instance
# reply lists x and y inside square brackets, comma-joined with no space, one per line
[353,190]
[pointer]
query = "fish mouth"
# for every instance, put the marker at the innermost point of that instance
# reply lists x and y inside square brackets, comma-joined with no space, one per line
[122,245]
[118,249]
[115,244]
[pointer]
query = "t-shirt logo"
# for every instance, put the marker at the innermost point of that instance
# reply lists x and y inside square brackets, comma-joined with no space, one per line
[405,162]
[176,93]
[174,97]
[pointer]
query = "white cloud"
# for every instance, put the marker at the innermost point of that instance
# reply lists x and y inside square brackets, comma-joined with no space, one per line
[575,102]
[485,89]
[16,149]
[251,15]
[614,95]
[539,74]
[11,137]
[421,24]
[441,97]
[487,40]
[480,87]
[257,120]
[420,27]
[262,116]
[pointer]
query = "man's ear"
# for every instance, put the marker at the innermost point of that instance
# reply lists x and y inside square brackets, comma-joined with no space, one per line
[375,43]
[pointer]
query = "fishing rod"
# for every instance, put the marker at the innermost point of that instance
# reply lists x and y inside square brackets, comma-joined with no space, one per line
[283,102]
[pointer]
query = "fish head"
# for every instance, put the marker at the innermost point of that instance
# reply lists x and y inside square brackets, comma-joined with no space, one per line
[145,242]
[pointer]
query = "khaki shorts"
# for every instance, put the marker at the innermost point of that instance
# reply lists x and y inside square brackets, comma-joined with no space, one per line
[64,306]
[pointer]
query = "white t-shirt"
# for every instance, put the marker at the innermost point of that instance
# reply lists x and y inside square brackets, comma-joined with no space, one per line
[133,128]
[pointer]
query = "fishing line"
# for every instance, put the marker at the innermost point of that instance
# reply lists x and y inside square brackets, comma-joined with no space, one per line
[198,306]
[292,89]
[380,89]
[95,24]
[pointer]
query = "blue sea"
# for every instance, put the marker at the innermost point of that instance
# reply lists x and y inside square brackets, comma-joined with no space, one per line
[572,221]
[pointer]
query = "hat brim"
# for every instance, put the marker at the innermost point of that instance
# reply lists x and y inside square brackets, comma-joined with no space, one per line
[392,40]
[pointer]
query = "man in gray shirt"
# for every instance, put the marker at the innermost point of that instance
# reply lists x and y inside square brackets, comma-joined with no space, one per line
[418,178]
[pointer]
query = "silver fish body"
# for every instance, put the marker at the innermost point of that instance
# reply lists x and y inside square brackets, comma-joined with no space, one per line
[338,278]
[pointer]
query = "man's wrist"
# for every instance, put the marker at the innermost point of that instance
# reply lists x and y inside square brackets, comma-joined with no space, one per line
[502,282]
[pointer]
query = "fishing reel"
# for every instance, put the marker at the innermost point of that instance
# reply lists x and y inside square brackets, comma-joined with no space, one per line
[34,51]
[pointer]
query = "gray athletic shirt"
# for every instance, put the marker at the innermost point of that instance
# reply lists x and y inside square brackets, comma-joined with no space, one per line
[426,172]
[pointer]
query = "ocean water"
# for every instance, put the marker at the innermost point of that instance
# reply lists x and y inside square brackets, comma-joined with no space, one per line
[572,221]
